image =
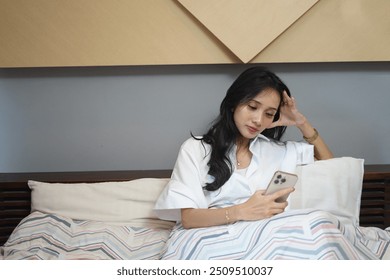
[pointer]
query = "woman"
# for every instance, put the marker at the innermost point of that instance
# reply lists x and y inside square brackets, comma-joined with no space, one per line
[219,179]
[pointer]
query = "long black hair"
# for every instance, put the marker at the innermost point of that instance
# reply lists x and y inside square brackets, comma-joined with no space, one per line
[223,133]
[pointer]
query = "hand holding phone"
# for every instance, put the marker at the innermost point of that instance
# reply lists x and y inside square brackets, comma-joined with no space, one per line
[279,181]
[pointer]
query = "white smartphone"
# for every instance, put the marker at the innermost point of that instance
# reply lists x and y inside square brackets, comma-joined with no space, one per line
[279,181]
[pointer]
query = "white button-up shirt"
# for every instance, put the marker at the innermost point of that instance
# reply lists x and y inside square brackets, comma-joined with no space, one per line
[190,175]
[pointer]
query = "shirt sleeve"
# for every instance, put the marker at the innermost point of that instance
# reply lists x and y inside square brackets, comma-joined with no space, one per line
[305,153]
[184,190]
[297,153]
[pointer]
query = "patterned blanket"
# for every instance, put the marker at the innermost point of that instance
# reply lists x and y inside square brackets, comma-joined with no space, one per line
[298,234]
[292,235]
[46,236]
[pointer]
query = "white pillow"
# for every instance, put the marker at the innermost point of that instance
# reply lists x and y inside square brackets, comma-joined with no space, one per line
[128,202]
[333,185]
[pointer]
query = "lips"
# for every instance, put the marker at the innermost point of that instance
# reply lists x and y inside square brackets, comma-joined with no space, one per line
[252,130]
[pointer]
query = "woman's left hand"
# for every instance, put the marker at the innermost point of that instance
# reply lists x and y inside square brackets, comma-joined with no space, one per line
[289,114]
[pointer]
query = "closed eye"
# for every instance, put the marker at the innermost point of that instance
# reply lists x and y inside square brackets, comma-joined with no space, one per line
[253,108]
[271,115]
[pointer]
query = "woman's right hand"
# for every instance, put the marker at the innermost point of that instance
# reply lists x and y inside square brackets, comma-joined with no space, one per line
[261,206]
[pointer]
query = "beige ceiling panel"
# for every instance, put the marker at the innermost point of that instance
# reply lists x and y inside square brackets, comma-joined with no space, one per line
[105,32]
[155,32]
[335,31]
[246,27]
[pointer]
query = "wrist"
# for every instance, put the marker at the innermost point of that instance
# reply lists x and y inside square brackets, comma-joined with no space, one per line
[307,130]
[233,214]
[312,138]
[303,126]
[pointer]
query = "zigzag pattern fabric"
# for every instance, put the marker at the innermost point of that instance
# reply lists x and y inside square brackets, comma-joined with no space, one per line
[303,234]
[46,236]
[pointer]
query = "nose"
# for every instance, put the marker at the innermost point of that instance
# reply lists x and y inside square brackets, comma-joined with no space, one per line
[257,119]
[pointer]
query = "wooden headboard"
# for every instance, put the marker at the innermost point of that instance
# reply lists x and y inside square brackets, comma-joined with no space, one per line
[15,195]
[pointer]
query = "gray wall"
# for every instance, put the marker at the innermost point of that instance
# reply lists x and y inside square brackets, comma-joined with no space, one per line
[120,118]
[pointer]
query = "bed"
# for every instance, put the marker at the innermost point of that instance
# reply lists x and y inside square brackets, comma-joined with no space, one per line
[109,215]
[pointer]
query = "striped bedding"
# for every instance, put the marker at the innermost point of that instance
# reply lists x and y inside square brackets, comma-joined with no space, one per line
[298,234]
[48,236]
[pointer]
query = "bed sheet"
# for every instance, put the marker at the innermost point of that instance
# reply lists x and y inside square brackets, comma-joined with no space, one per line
[47,236]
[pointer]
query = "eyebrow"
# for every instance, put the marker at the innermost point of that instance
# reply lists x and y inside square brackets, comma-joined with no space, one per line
[272,108]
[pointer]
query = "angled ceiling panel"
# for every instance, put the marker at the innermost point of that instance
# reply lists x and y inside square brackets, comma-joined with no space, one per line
[46,33]
[334,30]
[50,33]
[247,27]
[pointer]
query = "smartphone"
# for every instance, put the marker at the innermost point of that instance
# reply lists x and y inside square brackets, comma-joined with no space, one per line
[279,181]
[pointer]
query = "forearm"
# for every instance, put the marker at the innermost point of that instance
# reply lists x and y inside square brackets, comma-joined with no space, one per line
[257,207]
[321,150]
[195,218]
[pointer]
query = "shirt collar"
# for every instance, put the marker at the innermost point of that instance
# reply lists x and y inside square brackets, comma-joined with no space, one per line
[263,137]
[257,139]
[253,142]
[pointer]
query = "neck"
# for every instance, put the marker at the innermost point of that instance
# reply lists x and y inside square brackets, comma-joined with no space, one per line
[243,155]
[242,144]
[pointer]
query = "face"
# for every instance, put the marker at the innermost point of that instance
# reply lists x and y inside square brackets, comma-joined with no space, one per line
[256,115]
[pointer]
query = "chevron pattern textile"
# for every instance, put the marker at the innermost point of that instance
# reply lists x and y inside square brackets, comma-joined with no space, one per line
[298,234]
[47,236]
